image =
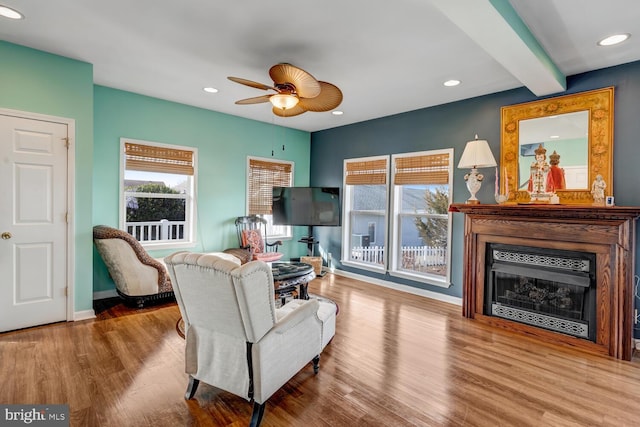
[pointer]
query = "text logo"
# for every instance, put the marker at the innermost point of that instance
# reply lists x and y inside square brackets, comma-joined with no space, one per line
[36,415]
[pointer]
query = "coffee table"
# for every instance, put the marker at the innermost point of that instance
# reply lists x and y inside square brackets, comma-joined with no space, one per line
[291,276]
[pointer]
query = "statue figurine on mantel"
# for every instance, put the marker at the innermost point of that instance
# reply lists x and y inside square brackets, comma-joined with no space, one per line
[538,179]
[597,190]
[555,178]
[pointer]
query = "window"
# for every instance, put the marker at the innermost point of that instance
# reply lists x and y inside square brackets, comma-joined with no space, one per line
[421,195]
[365,209]
[158,193]
[408,237]
[263,175]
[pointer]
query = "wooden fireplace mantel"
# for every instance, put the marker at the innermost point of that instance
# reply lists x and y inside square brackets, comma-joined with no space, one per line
[608,232]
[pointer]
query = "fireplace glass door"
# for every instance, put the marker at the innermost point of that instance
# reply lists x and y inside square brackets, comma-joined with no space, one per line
[548,289]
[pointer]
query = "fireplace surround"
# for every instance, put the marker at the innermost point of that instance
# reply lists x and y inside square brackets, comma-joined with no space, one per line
[587,305]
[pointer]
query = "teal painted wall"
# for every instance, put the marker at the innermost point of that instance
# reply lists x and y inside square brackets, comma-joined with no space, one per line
[39,82]
[223,144]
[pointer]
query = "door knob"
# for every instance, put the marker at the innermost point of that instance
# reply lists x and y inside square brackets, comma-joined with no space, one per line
[6,235]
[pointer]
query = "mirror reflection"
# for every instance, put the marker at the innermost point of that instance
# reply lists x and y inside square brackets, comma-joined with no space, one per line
[554,153]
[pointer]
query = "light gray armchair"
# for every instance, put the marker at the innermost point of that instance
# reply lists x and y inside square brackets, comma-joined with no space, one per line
[236,339]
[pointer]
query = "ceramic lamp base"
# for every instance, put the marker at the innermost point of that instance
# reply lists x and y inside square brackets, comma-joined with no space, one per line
[474,181]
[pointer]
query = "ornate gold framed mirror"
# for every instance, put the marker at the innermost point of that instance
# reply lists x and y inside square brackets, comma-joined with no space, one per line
[574,130]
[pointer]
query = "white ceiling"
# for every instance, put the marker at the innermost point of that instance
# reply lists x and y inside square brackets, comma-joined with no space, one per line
[387,57]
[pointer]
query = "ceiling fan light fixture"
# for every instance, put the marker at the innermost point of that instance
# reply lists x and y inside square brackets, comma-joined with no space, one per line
[296,92]
[284,101]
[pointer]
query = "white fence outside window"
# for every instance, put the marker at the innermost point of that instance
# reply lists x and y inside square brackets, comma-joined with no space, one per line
[413,257]
[154,231]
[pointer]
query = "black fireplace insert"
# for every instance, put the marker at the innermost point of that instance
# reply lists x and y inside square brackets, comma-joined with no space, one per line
[546,288]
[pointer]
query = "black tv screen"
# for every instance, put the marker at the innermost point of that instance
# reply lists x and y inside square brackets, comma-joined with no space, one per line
[306,206]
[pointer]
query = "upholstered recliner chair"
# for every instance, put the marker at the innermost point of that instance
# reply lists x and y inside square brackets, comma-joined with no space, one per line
[236,339]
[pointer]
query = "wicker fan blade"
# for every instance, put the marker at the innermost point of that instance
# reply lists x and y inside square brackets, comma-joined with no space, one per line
[289,112]
[306,85]
[256,100]
[251,83]
[330,97]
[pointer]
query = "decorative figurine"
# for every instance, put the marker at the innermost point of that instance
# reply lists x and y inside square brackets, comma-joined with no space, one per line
[597,190]
[555,178]
[538,178]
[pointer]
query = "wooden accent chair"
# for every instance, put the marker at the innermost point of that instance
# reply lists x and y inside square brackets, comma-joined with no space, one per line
[236,339]
[252,239]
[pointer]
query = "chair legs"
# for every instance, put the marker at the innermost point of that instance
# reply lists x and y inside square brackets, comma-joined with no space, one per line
[258,408]
[191,388]
[256,416]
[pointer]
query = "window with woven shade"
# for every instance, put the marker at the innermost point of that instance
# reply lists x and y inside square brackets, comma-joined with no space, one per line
[262,176]
[421,222]
[365,204]
[396,217]
[158,193]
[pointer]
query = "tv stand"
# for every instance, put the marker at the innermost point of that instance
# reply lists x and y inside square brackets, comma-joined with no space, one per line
[310,241]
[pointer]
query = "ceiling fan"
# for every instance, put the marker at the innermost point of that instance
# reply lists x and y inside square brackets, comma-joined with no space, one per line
[296,92]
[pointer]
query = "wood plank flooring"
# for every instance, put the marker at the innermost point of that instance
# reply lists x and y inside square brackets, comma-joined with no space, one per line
[396,360]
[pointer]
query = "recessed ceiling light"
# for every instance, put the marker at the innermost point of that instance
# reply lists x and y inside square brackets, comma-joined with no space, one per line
[210,89]
[337,113]
[452,83]
[554,136]
[615,39]
[7,12]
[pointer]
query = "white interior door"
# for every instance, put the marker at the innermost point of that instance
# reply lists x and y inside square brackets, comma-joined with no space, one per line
[33,222]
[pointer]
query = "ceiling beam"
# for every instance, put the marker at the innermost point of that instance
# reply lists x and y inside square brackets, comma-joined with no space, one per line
[496,27]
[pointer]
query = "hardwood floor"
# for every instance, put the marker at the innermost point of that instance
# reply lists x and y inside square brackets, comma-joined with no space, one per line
[396,360]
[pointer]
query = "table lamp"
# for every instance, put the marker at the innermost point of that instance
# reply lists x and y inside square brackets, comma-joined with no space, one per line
[477,154]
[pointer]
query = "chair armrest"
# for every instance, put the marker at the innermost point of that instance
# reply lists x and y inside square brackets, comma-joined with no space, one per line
[276,243]
[244,255]
[300,313]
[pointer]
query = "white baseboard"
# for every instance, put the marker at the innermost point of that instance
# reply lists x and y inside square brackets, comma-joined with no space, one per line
[404,288]
[105,294]
[84,315]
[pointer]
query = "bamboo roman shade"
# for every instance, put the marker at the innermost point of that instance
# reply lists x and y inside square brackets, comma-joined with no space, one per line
[366,172]
[158,159]
[427,169]
[263,176]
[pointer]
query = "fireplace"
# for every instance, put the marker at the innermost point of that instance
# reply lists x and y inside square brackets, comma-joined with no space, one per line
[561,274]
[549,289]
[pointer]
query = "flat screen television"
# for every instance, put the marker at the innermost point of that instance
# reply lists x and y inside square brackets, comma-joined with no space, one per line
[308,206]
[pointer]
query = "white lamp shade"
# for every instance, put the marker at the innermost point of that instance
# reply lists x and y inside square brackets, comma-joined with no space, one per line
[477,154]
[284,101]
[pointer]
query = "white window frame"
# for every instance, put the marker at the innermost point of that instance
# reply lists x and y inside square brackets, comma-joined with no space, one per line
[190,228]
[274,232]
[395,213]
[392,214]
[347,214]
